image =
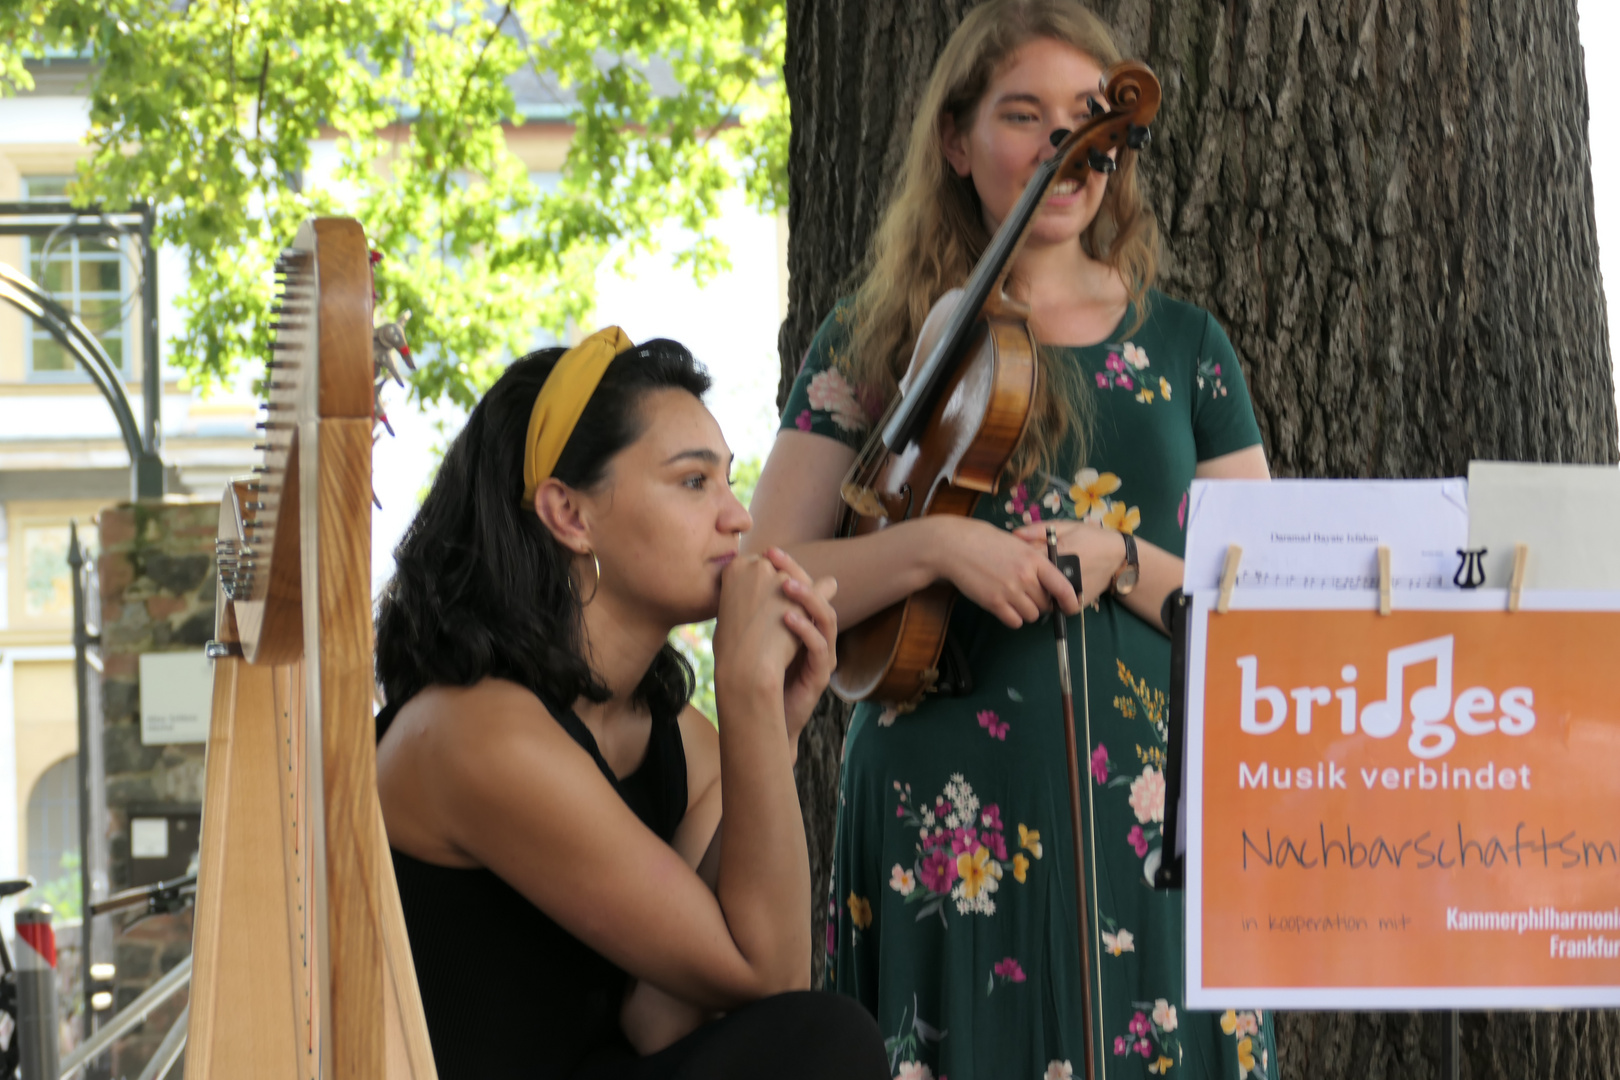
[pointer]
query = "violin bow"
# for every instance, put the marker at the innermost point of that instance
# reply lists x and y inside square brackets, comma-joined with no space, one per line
[1060,625]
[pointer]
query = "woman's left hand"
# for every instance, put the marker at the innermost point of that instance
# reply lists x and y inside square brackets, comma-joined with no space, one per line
[815,623]
[1101,551]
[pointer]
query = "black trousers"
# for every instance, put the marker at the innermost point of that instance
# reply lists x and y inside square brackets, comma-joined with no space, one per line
[803,1035]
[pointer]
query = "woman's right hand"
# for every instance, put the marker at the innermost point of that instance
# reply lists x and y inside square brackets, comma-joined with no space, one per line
[751,638]
[1011,579]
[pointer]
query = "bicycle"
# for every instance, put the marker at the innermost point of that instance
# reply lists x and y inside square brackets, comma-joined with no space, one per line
[10,1051]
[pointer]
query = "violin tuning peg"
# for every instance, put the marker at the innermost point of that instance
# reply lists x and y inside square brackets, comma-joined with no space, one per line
[1059,135]
[1095,106]
[1100,162]
[1138,137]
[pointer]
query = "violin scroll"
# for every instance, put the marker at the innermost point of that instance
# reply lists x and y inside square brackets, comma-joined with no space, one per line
[1134,97]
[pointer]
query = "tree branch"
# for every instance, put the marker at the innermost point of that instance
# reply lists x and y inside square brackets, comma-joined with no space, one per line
[472,72]
[258,104]
[461,100]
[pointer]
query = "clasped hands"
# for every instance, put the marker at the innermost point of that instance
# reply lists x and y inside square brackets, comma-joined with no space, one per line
[776,633]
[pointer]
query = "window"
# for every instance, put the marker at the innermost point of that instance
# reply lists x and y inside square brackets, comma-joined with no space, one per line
[39,588]
[53,821]
[85,276]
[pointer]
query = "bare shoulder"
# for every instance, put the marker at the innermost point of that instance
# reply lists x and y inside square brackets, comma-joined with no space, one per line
[452,744]
[459,725]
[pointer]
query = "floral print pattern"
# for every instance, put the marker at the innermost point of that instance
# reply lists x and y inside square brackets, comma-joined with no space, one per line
[1148,1035]
[906,1046]
[961,852]
[1007,971]
[1244,1028]
[1126,368]
[831,393]
[1090,492]
[996,726]
[1209,374]
[958,926]
[1147,705]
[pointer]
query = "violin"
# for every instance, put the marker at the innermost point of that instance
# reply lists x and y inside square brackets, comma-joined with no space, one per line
[964,405]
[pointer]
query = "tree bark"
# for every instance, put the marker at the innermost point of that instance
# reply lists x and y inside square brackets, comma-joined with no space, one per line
[1387,204]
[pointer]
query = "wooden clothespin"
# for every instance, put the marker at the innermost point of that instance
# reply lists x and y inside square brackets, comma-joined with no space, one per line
[1383,579]
[1234,556]
[1521,557]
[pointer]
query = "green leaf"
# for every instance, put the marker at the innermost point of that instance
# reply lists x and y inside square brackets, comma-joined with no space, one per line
[213,111]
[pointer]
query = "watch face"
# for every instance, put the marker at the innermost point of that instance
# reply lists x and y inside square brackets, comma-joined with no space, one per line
[1125,581]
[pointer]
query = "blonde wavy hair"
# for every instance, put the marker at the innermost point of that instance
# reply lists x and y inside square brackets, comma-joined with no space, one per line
[933,229]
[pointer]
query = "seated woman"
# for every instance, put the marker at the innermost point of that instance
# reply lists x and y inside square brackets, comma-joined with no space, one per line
[552,801]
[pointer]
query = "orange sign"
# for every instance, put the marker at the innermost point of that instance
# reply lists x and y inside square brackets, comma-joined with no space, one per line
[1413,810]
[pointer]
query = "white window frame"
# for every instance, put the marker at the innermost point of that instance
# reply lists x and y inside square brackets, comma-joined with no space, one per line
[32,331]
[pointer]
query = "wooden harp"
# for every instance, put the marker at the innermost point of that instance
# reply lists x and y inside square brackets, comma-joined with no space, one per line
[301,967]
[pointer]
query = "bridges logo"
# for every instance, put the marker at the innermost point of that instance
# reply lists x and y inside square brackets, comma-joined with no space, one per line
[1476,711]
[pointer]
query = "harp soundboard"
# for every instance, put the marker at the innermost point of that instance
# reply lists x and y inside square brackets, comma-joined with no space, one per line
[301,966]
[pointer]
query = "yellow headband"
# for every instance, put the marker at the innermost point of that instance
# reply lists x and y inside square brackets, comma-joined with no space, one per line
[561,401]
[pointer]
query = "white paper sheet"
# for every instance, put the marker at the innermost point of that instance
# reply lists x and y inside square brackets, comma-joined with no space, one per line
[1568,514]
[1325,534]
[177,697]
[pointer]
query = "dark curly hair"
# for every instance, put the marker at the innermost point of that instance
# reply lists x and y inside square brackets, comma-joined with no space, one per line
[481,588]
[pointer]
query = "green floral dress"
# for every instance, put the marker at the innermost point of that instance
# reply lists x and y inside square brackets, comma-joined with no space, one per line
[952,913]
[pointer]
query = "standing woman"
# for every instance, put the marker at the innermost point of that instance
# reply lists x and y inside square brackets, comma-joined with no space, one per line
[952,910]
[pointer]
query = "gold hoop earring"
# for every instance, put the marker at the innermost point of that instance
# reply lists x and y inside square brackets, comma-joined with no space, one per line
[598,564]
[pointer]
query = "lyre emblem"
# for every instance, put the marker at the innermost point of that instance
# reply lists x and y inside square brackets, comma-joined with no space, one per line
[1470,569]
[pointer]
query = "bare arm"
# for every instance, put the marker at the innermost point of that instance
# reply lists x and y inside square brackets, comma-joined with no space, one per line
[652,1018]
[520,797]
[796,507]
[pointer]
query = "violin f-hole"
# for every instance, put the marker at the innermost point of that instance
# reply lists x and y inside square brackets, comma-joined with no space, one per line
[897,506]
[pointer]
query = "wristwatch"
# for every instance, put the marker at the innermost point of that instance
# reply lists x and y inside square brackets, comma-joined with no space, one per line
[1125,577]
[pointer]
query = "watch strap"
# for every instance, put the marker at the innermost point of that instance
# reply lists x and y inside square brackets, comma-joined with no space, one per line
[1132,563]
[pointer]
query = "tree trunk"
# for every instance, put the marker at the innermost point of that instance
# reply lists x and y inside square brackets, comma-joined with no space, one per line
[1388,205]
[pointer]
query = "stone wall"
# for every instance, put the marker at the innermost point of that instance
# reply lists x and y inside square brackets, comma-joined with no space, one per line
[157,595]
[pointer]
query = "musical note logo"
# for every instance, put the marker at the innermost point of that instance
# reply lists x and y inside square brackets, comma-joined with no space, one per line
[1431,737]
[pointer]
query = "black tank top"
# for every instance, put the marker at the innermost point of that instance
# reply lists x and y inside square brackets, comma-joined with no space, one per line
[508,993]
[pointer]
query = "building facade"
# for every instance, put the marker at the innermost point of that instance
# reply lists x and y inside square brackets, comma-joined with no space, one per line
[62,461]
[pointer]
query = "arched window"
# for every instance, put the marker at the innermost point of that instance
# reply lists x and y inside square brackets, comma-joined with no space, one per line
[53,819]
